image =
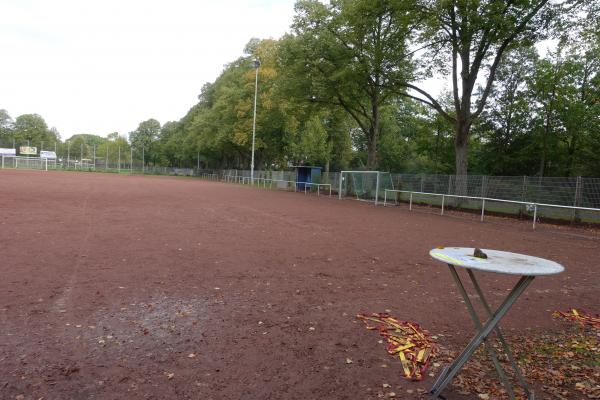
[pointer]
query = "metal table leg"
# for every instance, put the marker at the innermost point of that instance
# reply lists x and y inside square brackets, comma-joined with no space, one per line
[505,346]
[449,373]
[490,350]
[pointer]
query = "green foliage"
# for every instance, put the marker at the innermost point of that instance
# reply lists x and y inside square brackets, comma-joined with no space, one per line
[354,55]
[468,40]
[312,148]
[342,90]
[26,129]
[144,141]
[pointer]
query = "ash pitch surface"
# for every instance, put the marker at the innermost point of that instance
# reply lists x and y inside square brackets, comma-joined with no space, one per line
[144,287]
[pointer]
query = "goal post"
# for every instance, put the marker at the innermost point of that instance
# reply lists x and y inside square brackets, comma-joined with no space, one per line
[22,162]
[364,185]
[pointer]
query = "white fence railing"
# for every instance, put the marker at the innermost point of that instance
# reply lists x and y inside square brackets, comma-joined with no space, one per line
[268,182]
[527,193]
[530,205]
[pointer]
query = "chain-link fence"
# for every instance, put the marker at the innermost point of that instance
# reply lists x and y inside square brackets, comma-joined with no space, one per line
[579,194]
[566,191]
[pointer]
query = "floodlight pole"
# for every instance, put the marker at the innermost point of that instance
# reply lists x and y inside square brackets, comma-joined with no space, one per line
[119,167]
[256,64]
[68,154]
[131,156]
[94,157]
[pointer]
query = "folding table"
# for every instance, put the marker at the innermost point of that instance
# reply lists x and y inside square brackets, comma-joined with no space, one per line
[527,267]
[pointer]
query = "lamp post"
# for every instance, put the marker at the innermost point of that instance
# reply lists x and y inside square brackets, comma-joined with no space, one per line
[256,64]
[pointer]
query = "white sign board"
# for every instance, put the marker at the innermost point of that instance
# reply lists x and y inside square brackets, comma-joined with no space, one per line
[48,154]
[8,152]
[29,150]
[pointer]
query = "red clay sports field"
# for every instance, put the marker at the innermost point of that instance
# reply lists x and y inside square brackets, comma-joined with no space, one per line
[145,287]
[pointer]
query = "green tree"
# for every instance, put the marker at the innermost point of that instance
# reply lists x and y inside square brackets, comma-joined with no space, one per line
[313,148]
[110,149]
[145,140]
[468,39]
[505,126]
[6,129]
[31,129]
[354,55]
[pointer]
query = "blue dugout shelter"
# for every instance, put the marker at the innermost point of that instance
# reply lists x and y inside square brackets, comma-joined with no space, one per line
[307,174]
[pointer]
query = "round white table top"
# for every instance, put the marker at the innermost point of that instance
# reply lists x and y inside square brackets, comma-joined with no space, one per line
[501,262]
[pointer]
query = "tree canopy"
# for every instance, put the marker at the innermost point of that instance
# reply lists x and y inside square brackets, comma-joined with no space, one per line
[346,88]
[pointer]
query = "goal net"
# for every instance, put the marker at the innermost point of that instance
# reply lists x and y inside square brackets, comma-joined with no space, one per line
[24,162]
[364,185]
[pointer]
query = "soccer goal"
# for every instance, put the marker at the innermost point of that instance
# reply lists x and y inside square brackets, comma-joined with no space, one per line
[364,185]
[24,162]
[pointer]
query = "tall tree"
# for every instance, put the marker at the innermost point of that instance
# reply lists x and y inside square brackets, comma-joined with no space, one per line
[469,38]
[144,139]
[506,124]
[6,129]
[31,129]
[354,55]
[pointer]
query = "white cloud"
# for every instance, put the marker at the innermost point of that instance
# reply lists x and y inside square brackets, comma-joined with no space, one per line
[103,66]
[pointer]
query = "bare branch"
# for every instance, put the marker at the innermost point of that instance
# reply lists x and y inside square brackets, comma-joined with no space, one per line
[520,28]
[353,114]
[430,101]
[426,46]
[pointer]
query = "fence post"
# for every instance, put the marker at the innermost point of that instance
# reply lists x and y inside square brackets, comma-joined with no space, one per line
[577,199]
[482,208]
[377,189]
[443,200]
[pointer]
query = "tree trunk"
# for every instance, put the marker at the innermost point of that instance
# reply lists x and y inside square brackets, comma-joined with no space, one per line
[372,138]
[571,154]
[545,134]
[461,147]
[371,153]
[461,151]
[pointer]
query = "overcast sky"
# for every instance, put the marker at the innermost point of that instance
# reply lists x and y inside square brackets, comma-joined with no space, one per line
[104,66]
